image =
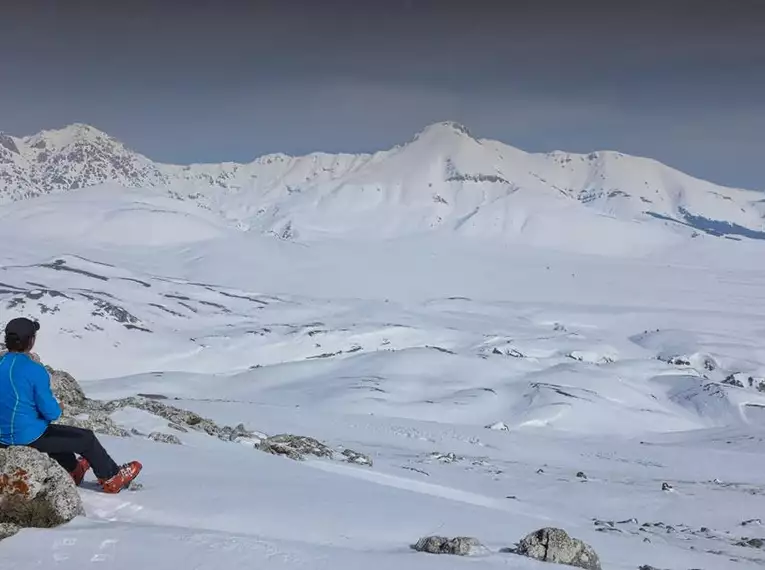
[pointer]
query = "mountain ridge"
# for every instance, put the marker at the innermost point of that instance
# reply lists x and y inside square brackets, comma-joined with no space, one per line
[442,178]
[78,130]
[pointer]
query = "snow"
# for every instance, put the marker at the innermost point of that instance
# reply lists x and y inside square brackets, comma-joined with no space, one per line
[480,374]
[107,216]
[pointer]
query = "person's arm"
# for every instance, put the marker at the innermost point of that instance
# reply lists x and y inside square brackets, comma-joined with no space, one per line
[47,405]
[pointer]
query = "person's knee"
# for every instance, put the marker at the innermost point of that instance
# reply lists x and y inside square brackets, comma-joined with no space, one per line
[88,437]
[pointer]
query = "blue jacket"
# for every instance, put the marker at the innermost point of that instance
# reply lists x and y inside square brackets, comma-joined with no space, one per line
[27,404]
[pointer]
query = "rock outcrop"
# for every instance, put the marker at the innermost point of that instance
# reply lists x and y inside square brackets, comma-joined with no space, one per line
[164,438]
[298,446]
[459,545]
[81,411]
[555,545]
[294,446]
[35,491]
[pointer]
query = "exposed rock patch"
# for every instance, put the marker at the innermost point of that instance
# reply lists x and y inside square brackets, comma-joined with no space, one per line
[298,446]
[97,421]
[683,533]
[459,545]
[164,438]
[352,456]
[741,380]
[751,542]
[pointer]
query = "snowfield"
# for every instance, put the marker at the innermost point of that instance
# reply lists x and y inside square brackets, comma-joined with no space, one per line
[603,375]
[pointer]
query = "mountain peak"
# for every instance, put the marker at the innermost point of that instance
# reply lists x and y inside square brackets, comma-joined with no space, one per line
[444,128]
[72,133]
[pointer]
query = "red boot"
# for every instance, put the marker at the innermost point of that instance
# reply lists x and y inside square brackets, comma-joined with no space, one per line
[79,472]
[122,479]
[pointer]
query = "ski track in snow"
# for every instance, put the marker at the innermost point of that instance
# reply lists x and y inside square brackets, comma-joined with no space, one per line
[635,372]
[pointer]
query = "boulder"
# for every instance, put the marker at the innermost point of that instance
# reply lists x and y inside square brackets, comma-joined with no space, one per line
[459,545]
[35,491]
[555,545]
[66,389]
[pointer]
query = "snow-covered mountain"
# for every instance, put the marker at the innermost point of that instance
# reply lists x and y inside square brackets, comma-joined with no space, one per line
[443,179]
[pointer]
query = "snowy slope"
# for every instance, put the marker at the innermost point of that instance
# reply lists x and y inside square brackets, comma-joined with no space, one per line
[622,374]
[443,179]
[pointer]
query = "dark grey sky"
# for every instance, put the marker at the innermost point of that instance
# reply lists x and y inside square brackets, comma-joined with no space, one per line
[203,81]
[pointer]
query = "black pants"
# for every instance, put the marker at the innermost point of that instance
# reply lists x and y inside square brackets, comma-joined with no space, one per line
[61,443]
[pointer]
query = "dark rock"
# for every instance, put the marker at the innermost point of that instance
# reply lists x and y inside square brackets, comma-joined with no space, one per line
[751,542]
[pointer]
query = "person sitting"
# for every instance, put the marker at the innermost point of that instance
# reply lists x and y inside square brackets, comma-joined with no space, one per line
[28,409]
